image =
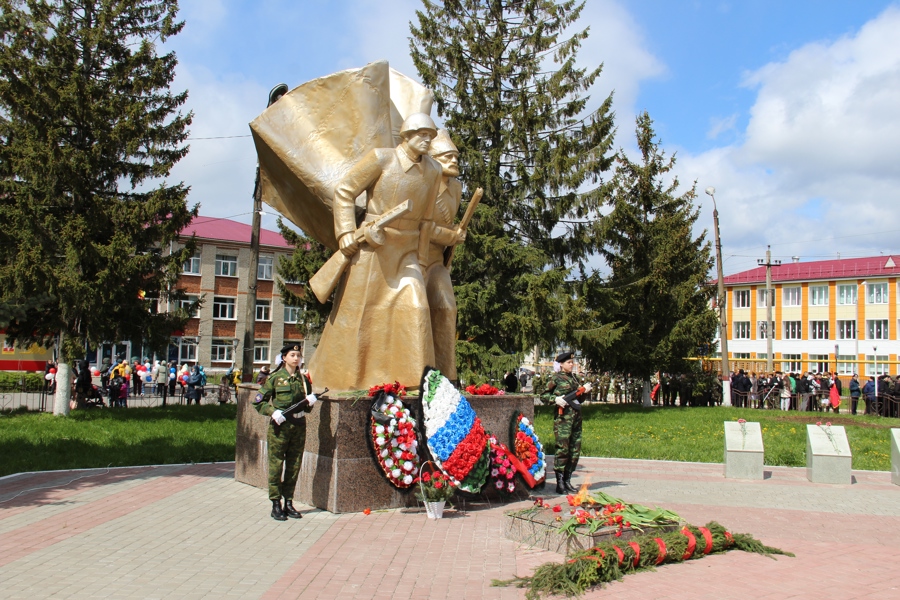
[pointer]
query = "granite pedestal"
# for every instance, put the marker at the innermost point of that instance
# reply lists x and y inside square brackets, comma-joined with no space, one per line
[743,450]
[828,457]
[895,456]
[338,472]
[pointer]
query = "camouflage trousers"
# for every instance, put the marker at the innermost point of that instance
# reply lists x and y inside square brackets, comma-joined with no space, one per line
[567,429]
[285,454]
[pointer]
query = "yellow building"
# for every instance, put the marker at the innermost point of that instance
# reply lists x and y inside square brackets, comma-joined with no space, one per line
[827,315]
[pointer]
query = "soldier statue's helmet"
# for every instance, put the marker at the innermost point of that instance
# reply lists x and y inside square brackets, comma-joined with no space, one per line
[442,144]
[417,121]
[293,346]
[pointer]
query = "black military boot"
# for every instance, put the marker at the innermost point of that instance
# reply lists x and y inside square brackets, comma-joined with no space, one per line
[277,513]
[560,487]
[567,482]
[289,509]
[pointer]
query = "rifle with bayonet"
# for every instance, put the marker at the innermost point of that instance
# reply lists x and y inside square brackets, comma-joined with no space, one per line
[328,276]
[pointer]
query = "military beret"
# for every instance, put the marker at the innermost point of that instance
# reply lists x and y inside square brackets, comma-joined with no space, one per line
[564,357]
[291,347]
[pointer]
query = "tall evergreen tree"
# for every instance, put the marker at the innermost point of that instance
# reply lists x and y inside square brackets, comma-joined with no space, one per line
[307,258]
[89,132]
[506,82]
[660,271]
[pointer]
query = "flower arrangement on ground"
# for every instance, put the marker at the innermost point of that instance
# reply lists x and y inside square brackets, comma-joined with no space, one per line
[435,487]
[528,450]
[392,431]
[455,436]
[503,472]
[483,390]
[609,561]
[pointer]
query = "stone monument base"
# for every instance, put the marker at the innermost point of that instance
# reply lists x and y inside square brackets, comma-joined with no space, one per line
[338,473]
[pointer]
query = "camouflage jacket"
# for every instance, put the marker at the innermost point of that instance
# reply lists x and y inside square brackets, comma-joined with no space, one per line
[281,390]
[560,384]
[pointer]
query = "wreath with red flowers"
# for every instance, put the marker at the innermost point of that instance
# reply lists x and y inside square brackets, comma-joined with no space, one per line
[483,390]
[392,437]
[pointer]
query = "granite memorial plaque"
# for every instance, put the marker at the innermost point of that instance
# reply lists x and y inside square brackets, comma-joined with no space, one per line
[828,456]
[743,450]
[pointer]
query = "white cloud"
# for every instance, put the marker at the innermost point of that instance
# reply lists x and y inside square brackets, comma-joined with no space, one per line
[819,156]
[719,125]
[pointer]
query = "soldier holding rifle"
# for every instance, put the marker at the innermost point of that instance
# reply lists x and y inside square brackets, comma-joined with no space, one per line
[567,421]
[287,432]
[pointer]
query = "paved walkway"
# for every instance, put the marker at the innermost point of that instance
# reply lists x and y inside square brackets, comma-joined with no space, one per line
[193,532]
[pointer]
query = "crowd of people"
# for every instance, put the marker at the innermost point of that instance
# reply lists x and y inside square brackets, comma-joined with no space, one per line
[815,391]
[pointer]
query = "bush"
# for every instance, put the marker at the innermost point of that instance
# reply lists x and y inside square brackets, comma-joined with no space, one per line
[15,381]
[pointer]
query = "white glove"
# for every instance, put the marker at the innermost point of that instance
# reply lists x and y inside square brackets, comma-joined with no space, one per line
[561,402]
[587,386]
[311,399]
[278,417]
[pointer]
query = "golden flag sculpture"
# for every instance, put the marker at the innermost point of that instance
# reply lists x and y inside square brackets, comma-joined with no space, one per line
[308,140]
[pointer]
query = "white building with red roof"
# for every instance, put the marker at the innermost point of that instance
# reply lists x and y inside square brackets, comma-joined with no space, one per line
[828,315]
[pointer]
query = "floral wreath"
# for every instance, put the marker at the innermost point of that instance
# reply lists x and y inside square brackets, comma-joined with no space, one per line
[392,436]
[528,450]
[483,390]
[455,436]
[503,472]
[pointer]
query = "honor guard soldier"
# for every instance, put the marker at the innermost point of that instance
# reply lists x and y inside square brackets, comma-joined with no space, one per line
[287,433]
[566,424]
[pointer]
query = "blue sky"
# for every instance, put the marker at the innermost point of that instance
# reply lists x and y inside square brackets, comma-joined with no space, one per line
[788,108]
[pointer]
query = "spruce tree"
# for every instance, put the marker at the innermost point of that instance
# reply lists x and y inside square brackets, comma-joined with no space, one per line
[307,258]
[89,132]
[506,83]
[658,288]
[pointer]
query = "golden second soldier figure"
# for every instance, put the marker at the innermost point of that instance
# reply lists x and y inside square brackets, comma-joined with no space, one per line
[287,433]
[566,423]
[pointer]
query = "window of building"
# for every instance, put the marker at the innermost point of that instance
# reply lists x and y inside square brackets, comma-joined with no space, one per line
[877,293]
[742,299]
[876,364]
[846,330]
[192,265]
[818,363]
[266,268]
[844,366]
[791,363]
[818,330]
[742,330]
[261,351]
[763,329]
[263,310]
[226,265]
[292,314]
[188,350]
[761,298]
[762,355]
[818,295]
[222,351]
[793,330]
[877,329]
[223,308]
[186,304]
[791,296]
[742,356]
[846,294]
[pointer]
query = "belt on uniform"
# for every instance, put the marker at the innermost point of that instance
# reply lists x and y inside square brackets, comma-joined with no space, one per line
[402,224]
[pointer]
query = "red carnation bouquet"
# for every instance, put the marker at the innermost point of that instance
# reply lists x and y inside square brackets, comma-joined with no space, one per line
[391,389]
[483,390]
[435,487]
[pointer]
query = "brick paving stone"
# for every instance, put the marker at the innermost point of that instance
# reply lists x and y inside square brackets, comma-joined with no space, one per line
[192,532]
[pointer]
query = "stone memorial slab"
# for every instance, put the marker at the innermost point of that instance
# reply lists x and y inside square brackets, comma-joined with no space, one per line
[828,456]
[895,456]
[743,450]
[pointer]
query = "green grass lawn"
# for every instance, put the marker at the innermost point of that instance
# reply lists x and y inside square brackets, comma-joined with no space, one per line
[184,434]
[697,434]
[100,438]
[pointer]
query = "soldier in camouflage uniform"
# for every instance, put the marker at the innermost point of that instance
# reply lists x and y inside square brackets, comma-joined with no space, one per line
[567,423]
[605,381]
[284,387]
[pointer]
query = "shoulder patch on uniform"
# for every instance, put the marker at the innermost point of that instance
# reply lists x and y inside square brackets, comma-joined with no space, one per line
[258,399]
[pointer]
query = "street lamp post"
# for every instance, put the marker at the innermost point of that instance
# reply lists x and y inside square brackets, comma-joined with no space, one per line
[858,328]
[770,298]
[723,322]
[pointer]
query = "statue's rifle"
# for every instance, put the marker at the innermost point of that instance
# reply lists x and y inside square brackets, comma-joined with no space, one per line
[463,225]
[372,233]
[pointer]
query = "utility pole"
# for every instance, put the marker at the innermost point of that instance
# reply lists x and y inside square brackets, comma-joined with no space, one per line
[723,322]
[770,301]
[253,277]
